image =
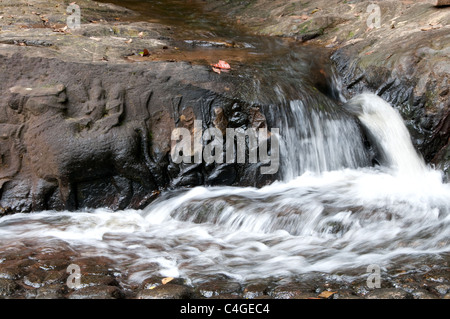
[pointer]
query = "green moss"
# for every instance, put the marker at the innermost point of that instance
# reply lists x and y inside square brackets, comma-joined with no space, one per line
[304,27]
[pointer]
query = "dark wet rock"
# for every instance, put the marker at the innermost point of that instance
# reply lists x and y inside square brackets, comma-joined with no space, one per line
[7,287]
[255,290]
[441,289]
[218,287]
[423,294]
[100,266]
[53,291]
[14,269]
[227,296]
[224,174]
[156,281]
[388,293]
[292,291]
[167,291]
[97,292]
[346,294]
[98,280]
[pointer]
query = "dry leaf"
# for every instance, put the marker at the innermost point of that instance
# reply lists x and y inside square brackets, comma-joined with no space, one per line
[166,280]
[217,70]
[145,53]
[129,41]
[327,294]
[222,65]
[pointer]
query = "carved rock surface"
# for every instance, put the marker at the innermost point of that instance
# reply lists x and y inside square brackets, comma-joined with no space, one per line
[96,135]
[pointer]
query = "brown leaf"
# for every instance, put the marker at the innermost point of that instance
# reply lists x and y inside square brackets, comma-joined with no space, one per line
[146,53]
[327,294]
[166,280]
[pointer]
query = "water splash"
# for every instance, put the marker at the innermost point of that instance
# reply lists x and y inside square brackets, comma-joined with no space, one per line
[385,128]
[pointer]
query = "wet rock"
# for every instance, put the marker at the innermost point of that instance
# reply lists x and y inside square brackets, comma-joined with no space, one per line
[227,296]
[256,290]
[441,289]
[167,291]
[7,287]
[97,292]
[218,287]
[388,293]
[14,269]
[156,281]
[98,280]
[224,174]
[423,294]
[53,291]
[346,294]
[292,291]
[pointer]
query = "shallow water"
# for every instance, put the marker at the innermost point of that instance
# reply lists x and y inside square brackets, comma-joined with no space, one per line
[333,222]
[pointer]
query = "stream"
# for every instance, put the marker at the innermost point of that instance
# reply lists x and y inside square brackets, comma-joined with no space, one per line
[334,210]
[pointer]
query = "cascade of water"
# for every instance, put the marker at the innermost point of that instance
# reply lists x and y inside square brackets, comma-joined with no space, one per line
[387,131]
[317,141]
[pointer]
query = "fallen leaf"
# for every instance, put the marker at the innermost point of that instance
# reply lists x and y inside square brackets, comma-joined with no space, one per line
[314,11]
[129,41]
[216,70]
[166,280]
[327,294]
[222,65]
[144,53]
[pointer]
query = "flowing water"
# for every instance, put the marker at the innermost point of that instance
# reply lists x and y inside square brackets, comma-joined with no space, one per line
[330,212]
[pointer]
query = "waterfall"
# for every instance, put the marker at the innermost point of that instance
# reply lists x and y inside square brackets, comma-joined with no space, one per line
[386,129]
[332,214]
[316,140]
